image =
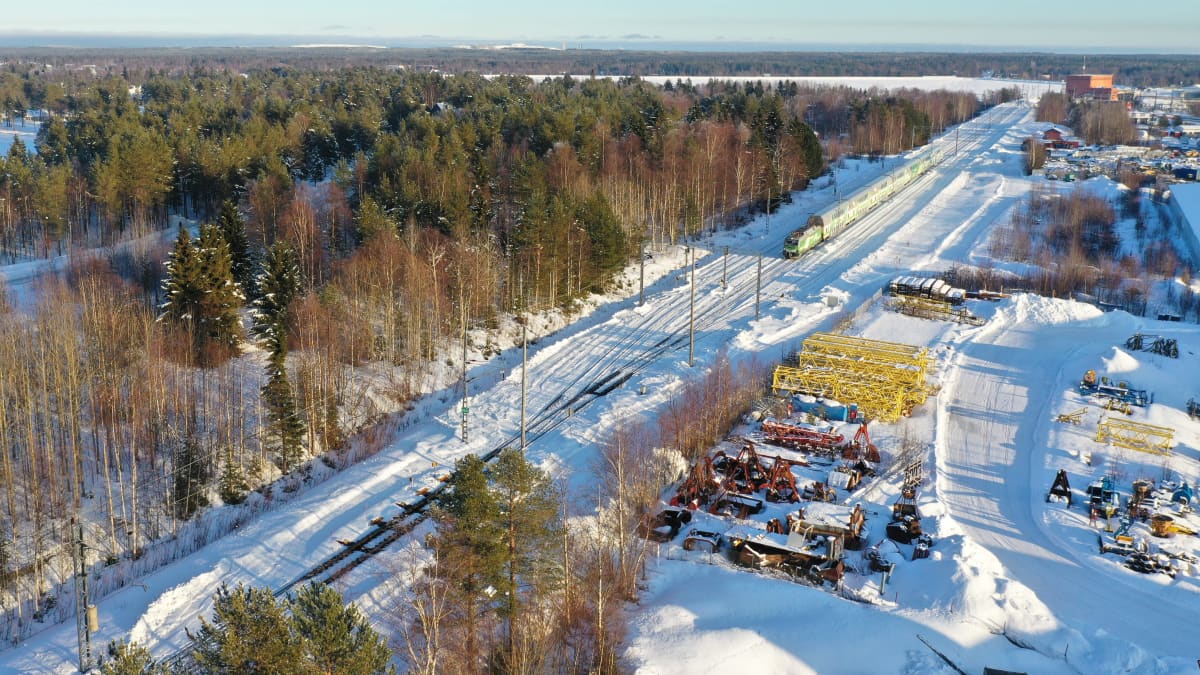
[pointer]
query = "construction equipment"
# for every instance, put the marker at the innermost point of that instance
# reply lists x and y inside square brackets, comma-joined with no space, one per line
[1120,390]
[702,539]
[1154,343]
[1135,435]
[1118,406]
[700,485]
[861,448]
[1165,525]
[743,474]
[886,379]
[1061,487]
[1075,417]
[1103,497]
[781,482]
[801,436]
[663,526]
[906,505]
[930,308]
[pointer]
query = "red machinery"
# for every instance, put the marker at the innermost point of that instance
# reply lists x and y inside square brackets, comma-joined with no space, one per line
[861,447]
[798,436]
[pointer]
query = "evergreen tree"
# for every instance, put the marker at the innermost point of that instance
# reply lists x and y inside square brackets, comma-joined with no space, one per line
[233,228]
[529,518]
[336,637]
[469,533]
[232,483]
[189,479]
[201,295]
[278,284]
[220,322]
[249,634]
[285,428]
[129,658]
[182,287]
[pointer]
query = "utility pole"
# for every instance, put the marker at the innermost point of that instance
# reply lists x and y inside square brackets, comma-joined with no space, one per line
[82,623]
[642,282]
[758,288]
[524,362]
[465,401]
[724,267]
[692,317]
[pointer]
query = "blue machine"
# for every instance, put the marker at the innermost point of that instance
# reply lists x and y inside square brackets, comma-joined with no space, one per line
[1118,391]
[826,409]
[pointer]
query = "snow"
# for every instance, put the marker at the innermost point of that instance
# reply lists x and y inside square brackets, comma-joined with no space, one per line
[1031,90]
[26,129]
[1185,201]
[1013,581]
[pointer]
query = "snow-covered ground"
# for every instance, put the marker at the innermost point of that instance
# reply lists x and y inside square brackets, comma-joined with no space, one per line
[25,129]
[1030,89]
[1008,569]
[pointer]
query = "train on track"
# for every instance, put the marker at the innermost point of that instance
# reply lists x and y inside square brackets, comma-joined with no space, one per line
[827,224]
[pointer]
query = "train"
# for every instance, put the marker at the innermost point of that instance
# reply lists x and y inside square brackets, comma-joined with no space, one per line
[827,224]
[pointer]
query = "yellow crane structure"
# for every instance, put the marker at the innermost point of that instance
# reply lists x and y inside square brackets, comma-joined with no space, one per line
[886,379]
[1135,435]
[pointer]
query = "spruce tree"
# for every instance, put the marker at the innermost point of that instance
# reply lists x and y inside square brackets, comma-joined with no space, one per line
[278,284]
[249,633]
[285,428]
[336,637]
[182,288]
[201,296]
[232,484]
[221,324]
[189,477]
[233,228]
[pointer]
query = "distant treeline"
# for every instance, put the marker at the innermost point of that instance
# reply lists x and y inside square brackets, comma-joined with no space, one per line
[1139,70]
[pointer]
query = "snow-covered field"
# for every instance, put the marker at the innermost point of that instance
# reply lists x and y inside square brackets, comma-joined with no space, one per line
[1030,89]
[25,129]
[1014,582]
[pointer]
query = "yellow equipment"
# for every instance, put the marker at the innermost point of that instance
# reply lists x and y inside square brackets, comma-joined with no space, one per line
[1075,417]
[1135,435]
[885,379]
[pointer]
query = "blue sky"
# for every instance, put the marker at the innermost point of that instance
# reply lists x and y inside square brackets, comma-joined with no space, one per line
[1072,25]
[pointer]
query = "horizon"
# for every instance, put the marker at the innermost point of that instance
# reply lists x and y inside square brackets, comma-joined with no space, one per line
[46,39]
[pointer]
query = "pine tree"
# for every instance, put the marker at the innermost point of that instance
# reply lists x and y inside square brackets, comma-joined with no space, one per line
[285,428]
[233,228]
[129,658]
[278,284]
[468,532]
[189,479]
[249,633]
[529,517]
[336,637]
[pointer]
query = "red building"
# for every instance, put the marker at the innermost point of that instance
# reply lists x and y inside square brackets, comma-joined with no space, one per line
[1099,87]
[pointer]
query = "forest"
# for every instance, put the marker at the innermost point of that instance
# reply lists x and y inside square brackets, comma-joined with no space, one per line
[330,234]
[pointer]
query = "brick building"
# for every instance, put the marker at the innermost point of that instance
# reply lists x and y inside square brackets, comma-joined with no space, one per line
[1099,87]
